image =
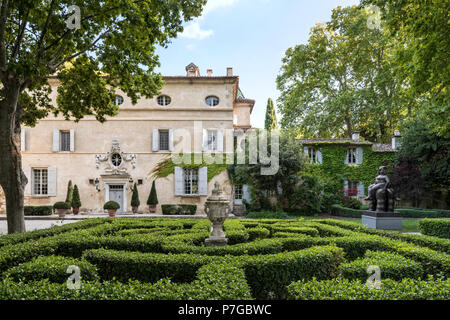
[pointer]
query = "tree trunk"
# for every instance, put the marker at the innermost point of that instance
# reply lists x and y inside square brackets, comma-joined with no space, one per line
[12,178]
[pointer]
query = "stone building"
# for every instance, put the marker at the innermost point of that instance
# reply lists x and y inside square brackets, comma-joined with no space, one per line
[105,160]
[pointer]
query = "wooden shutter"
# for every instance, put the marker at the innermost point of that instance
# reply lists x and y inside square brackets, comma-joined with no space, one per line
[27,172]
[22,139]
[55,141]
[319,156]
[72,140]
[359,155]
[155,141]
[178,181]
[246,193]
[360,189]
[305,150]
[345,184]
[203,181]
[205,140]
[171,140]
[51,181]
[220,140]
[346,157]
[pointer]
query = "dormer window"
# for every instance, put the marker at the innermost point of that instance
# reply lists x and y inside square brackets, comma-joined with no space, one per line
[212,101]
[164,100]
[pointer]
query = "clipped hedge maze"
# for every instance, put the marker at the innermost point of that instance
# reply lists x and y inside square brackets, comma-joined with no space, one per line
[265,259]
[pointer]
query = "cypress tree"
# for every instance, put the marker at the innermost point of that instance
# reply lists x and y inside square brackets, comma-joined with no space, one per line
[135,197]
[152,197]
[271,116]
[76,202]
[69,195]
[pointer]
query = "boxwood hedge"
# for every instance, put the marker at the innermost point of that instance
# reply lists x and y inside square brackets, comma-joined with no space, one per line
[435,227]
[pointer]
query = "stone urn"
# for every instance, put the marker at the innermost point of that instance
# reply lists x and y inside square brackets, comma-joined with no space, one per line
[217,208]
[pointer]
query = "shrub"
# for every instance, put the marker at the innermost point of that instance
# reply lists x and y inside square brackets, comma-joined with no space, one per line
[69,195]
[183,209]
[135,197]
[344,289]
[188,209]
[53,268]
[392,266]
[152,197]
[76,202]
[258,233]
[267,215]
[38,210]
[435,227]
[61,205]
[352,203]
[111,205]
[340,211]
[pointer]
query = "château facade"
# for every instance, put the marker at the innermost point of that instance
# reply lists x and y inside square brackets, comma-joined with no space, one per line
[105,160]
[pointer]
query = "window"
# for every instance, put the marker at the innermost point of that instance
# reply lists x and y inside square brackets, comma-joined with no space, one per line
[40,181]
[212,140]
[312,154]
[164,100]
[238,192]
[116,160]
[164,140]
[212,101]
[352,188]
[119,100]
[64,141]
[190,181]
[351,156]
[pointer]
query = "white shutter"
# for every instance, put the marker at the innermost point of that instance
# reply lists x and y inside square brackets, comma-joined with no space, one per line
[360,155]
[51,181]
[155,142]
[72,140]
[27,172]
[220,140]
[346,157]
[178,181]
[319,156]
[203,181]
[345,184]
[246,193]
[22,139]
[55,141]
[305,150]
[279,188]
[205,140]
[360,189]
[171,140]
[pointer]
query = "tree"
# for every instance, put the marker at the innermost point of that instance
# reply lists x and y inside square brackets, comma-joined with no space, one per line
[69,195]
[152,199]
[271,116]
[135,197]
[76,202]
[423,40]
[108,45]
[341,81]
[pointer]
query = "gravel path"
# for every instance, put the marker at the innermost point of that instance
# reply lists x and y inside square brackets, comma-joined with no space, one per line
[31,225]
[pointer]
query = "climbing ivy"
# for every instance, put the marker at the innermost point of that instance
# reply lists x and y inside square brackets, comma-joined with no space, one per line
[166,166]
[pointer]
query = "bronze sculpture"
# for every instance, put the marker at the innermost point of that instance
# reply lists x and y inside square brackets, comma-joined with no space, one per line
[381,194]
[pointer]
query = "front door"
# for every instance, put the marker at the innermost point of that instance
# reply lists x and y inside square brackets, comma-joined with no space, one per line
[116,194]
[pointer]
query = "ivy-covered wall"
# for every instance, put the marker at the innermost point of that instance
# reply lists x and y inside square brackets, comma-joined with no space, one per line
[334,171]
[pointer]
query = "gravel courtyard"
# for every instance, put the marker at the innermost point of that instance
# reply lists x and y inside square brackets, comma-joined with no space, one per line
[31,225]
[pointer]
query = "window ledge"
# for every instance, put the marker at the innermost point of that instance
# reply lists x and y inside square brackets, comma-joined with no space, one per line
[190,196]
[40,196]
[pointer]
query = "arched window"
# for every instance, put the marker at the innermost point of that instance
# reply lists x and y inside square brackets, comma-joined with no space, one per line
[212,101]
[119,100]
[164,100]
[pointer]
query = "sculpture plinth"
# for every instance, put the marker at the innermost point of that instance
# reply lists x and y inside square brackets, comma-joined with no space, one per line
[217,208]
[381,213]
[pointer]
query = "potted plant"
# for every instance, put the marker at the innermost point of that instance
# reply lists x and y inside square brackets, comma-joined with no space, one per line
[62,208]
[152,200]
[69,195]
[76,203]
[135,199]
[112,207]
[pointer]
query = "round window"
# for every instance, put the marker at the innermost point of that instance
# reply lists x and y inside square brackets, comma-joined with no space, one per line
[164,100]
[212,101]
[116,159]
[119,100]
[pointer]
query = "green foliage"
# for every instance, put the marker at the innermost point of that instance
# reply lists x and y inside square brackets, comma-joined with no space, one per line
[340,211]
[392,266]
[38,210]
[111,205]
[179,209]
[69,195]
[271,122]
[61,205]
[267,215]
[135,197]
[53,268]
[352,203]
[344,289]
[76,202]
[435,227]
[152,197]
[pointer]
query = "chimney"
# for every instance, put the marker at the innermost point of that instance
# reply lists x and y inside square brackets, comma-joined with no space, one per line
[209,72]
[355,135]
[229,72]
[192,70]
[396,140]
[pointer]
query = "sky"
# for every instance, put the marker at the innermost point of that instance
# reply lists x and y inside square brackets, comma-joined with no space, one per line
[251,36]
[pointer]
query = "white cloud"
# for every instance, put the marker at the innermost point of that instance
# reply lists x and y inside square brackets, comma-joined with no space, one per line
[194,31]
[190,47]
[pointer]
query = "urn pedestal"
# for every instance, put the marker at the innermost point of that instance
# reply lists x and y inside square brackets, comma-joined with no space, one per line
[217,209]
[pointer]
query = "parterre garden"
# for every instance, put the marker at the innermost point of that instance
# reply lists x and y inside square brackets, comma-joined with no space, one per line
[265,259]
